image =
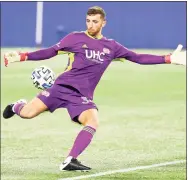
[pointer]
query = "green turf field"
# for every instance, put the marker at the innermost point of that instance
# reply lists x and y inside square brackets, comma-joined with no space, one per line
[142,112]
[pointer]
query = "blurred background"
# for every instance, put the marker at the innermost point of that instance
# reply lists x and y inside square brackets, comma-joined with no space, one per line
[133,24]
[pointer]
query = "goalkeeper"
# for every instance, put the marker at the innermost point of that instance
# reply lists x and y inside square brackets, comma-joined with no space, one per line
[90,53]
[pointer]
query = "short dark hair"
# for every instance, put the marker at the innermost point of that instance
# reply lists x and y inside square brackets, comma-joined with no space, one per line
[96,10]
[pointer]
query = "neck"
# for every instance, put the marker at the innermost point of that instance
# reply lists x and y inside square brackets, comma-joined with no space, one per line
[97,36]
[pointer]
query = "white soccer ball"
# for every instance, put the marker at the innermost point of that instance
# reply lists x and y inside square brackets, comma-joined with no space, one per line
[43,77]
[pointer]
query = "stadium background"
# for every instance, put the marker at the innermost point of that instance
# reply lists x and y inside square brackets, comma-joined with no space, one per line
[128,22]
[142,109]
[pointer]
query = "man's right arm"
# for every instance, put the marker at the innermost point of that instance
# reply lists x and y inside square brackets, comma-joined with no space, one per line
[42,54]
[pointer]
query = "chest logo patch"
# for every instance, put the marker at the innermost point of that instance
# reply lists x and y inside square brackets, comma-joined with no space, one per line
[94,55]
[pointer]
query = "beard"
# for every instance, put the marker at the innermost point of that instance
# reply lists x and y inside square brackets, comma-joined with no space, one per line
[93,33]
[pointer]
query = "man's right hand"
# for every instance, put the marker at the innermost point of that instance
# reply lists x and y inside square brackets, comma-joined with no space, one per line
[14,56]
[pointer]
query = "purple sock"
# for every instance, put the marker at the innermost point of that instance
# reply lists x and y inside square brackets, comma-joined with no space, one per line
[18,107]
[82,141]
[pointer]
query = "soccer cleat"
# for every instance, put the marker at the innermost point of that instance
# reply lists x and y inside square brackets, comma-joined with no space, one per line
[8,111]
[72,164]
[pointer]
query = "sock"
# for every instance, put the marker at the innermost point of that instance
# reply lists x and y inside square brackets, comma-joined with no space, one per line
[82,141]
[18,107]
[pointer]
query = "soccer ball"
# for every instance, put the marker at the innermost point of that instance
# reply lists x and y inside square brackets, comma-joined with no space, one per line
[43,77]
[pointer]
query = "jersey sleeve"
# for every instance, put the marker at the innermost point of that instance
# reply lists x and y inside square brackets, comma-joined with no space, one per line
[123,52]
[66,43]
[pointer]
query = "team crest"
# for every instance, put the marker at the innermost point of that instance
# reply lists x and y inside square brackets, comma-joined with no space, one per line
[106,50]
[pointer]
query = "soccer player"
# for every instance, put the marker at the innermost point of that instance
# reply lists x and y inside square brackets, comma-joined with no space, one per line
[90,53]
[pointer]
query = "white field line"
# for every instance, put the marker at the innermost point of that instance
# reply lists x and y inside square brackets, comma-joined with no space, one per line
[125,170]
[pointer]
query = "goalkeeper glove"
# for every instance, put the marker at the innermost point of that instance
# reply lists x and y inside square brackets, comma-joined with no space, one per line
[14,56]
[177,57]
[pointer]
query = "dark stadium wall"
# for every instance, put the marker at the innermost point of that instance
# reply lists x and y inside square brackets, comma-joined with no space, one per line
[134,24]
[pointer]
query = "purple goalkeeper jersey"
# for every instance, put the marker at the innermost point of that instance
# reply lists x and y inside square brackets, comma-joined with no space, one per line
[89,58]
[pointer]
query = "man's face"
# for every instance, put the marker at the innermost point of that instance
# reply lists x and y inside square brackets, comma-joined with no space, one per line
[94,24]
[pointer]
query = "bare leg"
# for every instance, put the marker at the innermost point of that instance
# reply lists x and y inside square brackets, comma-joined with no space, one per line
[33,108]
[25,110]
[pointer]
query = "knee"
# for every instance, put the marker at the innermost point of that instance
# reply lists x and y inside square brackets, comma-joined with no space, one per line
[93,122]
[89,118]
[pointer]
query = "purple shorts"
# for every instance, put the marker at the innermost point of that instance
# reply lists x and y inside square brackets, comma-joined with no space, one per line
[63,96]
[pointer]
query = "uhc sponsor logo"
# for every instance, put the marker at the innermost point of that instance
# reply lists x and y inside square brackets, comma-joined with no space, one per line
[94,55]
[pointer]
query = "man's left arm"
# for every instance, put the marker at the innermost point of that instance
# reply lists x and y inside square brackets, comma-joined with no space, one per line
[177,57]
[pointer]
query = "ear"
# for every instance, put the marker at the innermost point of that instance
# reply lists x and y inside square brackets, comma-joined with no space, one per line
[104,23]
